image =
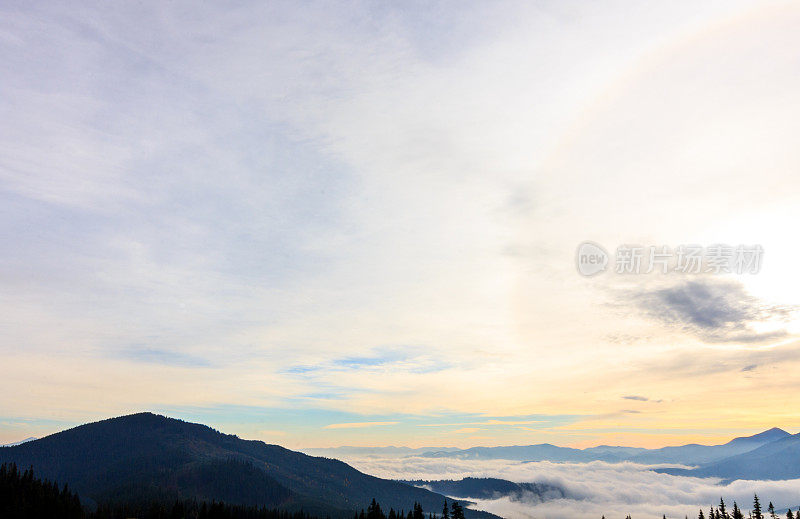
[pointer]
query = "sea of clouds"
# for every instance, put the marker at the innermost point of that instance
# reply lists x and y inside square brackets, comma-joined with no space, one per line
[592,489]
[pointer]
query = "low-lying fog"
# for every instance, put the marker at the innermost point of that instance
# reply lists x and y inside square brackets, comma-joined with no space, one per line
[593,489]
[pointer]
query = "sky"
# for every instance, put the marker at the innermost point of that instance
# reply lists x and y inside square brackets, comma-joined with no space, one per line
[356,223]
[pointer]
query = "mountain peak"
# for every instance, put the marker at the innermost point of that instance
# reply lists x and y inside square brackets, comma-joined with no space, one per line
[767,436]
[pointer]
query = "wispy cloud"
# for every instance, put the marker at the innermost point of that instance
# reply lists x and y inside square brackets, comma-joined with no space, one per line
[358,425]
[166,357]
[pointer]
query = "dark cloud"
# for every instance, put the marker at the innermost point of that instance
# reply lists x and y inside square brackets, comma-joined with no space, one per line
[750,367]
[636,397]
[715,310]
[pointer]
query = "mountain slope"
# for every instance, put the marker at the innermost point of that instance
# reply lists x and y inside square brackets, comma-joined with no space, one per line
[694,454]
[155,456]
[776,460]
[491,488]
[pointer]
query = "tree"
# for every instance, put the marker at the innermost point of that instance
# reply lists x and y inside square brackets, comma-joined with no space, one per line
[374,510]
[456,511]
[445,511]
[789,514]
[771,509]
[757,508]
[721,510]
[737,514]
[700,515]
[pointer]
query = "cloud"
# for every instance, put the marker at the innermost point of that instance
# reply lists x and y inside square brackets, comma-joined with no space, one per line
[590,489]
[715,310]
[466,430]
[357,425]
[166,357]
[636,397]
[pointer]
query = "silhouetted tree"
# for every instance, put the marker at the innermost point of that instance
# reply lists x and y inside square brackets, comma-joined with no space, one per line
[757,508]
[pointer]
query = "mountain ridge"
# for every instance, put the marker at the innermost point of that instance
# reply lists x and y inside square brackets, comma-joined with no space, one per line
[153,455]
[689,454]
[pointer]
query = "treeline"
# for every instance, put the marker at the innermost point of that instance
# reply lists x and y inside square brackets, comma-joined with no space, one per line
[23,496]
[721,511]
[191,510]
[374,511]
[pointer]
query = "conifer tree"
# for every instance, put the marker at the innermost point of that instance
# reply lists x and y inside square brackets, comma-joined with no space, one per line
[771,510]
[757,508]
[445,511]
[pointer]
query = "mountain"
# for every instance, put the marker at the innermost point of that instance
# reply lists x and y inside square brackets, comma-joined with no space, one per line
[694,454]
[372,452]
[541,452]
[779,459]
[490,488]
[691,454]
[19,442]
[147,456]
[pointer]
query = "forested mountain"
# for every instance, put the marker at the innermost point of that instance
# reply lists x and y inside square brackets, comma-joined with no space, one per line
[490,488]
[149,456]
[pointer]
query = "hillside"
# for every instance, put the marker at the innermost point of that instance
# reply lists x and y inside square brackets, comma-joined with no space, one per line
[150,456]
[491,488]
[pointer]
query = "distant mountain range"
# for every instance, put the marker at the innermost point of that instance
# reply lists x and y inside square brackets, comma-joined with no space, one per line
[372,452]
[146,456]
[692,454]
[19,442]
[779,459]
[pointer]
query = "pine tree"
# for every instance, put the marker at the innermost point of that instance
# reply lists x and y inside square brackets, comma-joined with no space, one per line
[700,515]
[789,514]
[456,511]
[445,511]
[737,514]
[723,514]
[771,510]
[757,508]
